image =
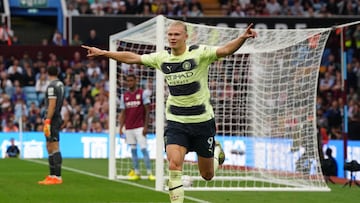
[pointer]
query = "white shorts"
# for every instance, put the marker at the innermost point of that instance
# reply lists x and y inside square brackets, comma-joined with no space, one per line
[135,136]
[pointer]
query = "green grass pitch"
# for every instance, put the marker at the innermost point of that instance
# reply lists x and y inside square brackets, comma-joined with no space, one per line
[85,181]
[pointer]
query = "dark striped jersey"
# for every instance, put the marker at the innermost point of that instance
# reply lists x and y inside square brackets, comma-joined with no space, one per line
[187,79]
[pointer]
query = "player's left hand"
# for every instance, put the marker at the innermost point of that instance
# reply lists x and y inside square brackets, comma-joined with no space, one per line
[47,128]
[249,32]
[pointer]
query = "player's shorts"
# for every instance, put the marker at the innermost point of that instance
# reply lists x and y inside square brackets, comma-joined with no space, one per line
[55,129]
[135,136]
[197,137]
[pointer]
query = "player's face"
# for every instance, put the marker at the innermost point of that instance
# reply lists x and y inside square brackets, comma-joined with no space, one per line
[131,82]
[177,36]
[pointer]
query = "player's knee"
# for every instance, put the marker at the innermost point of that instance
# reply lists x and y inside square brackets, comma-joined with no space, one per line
[207,175]
[174,166]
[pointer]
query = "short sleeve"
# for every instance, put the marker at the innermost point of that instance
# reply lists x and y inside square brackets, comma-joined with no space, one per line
[145,97]
[122,103]
[209,53]
[152,60]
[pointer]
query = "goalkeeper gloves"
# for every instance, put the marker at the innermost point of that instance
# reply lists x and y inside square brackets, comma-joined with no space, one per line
[46,129]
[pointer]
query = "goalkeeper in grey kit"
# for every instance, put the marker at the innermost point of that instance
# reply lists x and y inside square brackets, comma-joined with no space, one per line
[54,97]
[189,114]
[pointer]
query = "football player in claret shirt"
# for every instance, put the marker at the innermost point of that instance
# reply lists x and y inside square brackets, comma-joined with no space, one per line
[189,114]
[134,119]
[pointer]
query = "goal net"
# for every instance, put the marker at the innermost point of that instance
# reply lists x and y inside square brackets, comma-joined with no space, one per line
[264,102]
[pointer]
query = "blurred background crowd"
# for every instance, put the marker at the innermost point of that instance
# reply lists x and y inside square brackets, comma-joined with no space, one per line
[23,80]
[234,8]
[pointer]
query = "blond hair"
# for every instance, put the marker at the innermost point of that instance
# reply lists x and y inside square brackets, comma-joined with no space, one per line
[179,23]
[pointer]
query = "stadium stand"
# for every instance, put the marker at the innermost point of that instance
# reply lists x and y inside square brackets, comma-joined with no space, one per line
[89,89]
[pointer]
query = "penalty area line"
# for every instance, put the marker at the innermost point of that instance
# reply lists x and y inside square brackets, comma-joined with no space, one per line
[106,178]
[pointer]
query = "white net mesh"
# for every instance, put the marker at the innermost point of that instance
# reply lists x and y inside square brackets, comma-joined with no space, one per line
[264,102]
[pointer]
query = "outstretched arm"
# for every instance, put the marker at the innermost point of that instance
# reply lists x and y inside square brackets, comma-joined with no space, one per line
[235,44]
[121,56]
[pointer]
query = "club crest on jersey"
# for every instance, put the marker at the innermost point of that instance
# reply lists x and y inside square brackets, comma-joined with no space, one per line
[186,65]
[138,96]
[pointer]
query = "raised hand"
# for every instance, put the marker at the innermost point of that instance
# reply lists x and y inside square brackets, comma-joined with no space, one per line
[249,32]
[93,51]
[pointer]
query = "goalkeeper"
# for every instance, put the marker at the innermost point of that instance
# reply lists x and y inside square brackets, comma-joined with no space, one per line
[54,98]
[189,114]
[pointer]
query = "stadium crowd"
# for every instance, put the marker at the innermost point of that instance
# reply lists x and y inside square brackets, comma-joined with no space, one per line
[233,8]
[23,80]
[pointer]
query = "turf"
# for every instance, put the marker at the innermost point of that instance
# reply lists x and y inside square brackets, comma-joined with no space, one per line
[85,182]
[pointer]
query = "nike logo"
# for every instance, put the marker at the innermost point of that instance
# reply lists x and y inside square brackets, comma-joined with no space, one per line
[169,68]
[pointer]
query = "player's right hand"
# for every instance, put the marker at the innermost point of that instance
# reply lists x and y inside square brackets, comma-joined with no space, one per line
[47,128]
[93,51]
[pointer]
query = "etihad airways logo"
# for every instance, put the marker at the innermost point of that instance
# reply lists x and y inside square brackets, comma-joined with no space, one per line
[179,76]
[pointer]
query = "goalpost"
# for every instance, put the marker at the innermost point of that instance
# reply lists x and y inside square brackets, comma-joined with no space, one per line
[264,102]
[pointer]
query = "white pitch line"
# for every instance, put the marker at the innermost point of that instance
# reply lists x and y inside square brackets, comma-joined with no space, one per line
[106,178]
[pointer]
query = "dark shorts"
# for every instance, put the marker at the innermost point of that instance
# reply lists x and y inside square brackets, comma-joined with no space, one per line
[55,129]
[196,137]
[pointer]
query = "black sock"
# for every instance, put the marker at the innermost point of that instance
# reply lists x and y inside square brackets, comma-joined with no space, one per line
[51,164]
[57,163]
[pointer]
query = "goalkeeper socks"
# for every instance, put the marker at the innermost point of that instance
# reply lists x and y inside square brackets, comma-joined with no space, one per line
[146,160]
[57,163]
[51,164]
[134,157]
[176,189]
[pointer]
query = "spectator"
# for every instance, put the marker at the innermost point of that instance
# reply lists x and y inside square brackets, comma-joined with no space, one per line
[84,8]
[72,11]
[29,75]
[196,3]
[97,7]
[131,7]
[18,94]
[273,7]
[96,127]
[13,150]
[15,71]
[238,12]
[330,167]
[195,11]
[84,127]
[76,41]
[93,38]
[41,85]
[33,115]
[25,59]
[39,62]
[20,109]
[10,125]
[334,117]
[297,9]
[58,39]
[6,85]
[5,34]
[93,71]
[101,102]
[122,9]
[144,7]
[332,7]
